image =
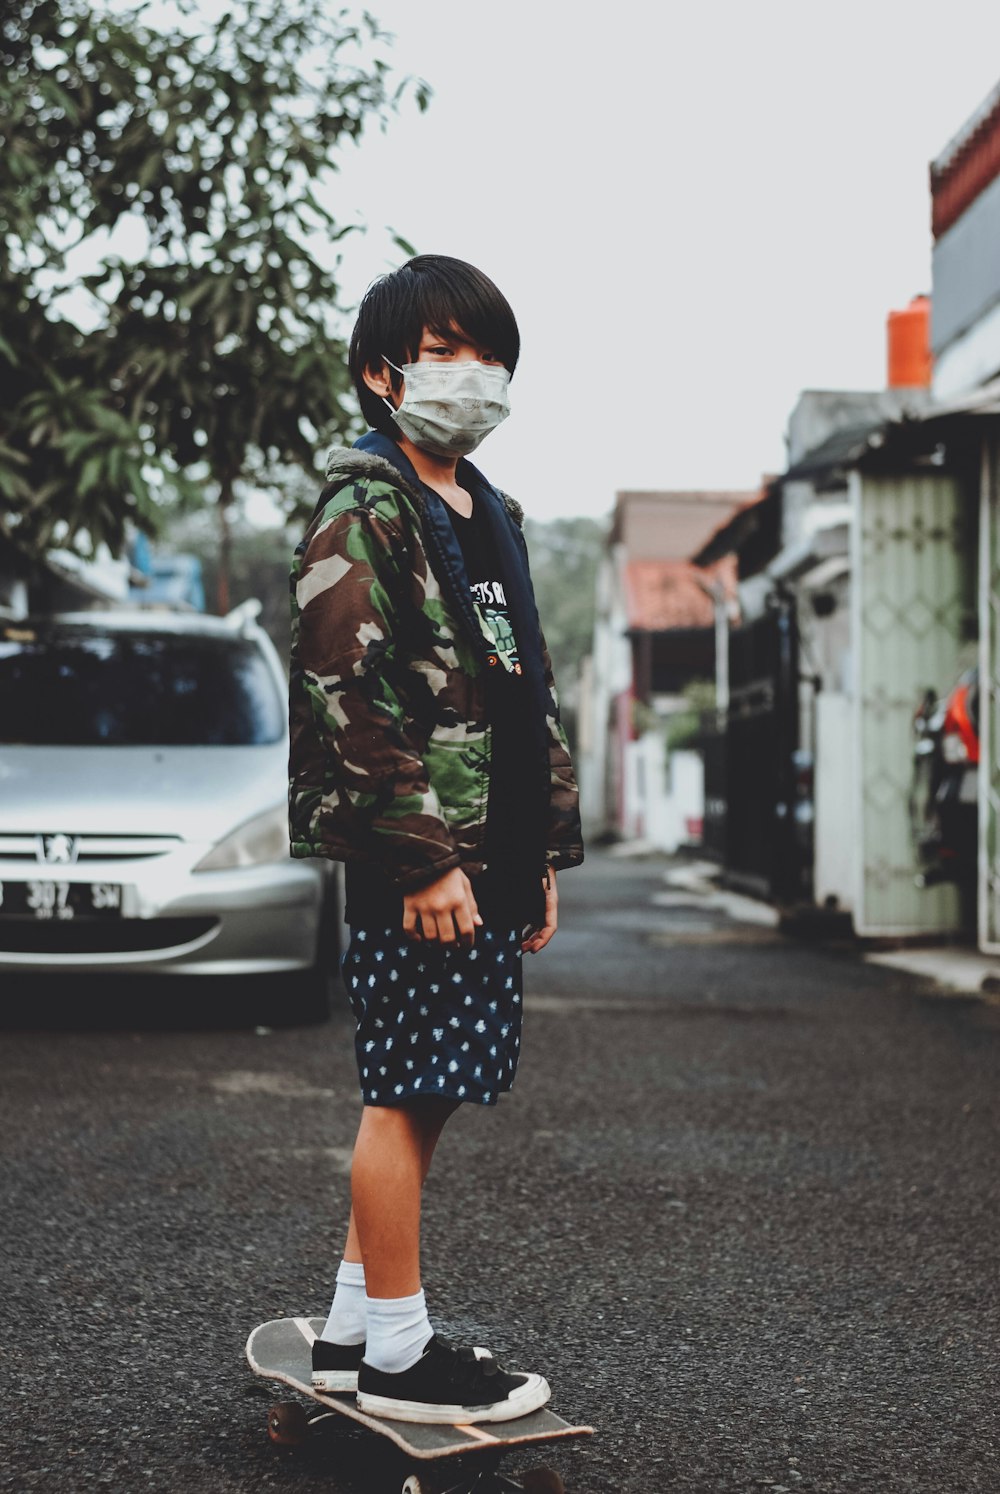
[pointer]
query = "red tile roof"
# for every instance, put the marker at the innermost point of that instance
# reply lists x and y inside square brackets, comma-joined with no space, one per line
[967,165]
[665,593]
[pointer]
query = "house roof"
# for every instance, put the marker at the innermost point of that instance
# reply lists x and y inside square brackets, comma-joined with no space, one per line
[983,400]
[750,521]
[962,137]
[662,594]
[668,525]
[753,532]
[840,449]
[967,165]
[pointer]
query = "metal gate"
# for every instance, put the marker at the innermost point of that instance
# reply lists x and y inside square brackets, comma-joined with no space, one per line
[750,823]
[989,697]
[910,585]
[761,738]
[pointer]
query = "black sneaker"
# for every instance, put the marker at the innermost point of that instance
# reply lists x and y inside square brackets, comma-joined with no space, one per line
[449,1384]
[335,1366]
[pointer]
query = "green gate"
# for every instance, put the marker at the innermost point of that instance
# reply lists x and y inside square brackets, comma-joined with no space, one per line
[910,581]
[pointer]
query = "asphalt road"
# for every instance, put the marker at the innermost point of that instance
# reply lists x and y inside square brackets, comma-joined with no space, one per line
[741,1208]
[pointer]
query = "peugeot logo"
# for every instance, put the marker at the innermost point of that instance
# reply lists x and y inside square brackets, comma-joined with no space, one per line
[57,849]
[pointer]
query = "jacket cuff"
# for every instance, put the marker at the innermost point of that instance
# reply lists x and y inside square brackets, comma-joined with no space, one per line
[412,881]
[559,860]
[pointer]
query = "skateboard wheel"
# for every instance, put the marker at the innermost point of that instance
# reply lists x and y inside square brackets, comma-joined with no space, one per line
[414,1485]
[287,1424]
[542,1481]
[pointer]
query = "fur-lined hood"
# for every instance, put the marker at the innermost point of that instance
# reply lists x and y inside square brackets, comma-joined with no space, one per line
[344,462]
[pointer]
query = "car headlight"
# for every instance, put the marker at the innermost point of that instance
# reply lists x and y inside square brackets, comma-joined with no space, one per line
[256,841]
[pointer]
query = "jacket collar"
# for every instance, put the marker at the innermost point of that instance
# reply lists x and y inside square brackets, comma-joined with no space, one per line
[444,550]
[381,452]
[376,454]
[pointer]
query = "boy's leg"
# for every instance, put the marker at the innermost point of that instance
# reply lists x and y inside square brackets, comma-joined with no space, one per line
[432,1117]
[405,1314]
[391,1158]
[407,1370]
[346,1321]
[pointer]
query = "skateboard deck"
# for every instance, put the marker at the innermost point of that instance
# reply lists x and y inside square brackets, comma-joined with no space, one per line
[281,1350]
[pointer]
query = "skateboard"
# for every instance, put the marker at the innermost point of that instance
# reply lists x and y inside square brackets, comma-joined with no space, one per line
[469,1455]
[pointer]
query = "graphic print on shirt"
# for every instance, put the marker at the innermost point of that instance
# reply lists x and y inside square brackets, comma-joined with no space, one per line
[492,599]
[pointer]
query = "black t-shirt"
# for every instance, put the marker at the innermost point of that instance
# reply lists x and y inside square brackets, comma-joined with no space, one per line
[509,889]
[488,590]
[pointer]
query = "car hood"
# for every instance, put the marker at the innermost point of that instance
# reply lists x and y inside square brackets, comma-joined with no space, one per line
[198,793]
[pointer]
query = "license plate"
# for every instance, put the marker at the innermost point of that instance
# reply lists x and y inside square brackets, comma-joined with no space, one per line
[60,900]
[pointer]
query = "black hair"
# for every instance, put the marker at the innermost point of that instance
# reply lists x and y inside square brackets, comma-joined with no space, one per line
[432,291]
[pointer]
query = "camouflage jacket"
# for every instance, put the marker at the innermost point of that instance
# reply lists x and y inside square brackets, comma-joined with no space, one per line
[390,737]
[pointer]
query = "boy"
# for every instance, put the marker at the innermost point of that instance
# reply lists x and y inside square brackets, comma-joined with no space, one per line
[426,753]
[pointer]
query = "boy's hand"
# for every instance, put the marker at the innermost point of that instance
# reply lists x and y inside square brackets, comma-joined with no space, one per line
[444,911]
[538,938]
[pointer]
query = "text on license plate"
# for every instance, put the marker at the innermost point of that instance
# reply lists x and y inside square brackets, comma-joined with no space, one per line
[60,900]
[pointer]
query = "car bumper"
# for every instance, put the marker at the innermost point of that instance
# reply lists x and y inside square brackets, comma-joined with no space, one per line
[248,921]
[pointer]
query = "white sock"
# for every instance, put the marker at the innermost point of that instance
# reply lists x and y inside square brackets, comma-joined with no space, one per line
[398,1330]
[348,1320]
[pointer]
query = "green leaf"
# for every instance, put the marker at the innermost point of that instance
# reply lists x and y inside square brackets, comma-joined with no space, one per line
[403,245]
[90,476]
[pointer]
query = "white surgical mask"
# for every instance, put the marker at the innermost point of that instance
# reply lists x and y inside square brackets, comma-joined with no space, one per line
[448,408]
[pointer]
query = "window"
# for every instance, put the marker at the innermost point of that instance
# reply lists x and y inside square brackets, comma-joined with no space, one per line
[87,687]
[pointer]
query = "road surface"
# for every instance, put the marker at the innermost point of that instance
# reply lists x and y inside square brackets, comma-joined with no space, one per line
[741,1208]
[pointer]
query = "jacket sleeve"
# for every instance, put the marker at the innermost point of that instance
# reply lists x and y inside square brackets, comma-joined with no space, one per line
[348,595]
[564,836]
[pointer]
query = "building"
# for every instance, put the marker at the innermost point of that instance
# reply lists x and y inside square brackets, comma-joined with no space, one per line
[965,221]
[881,545]
[653,636]
[780,780]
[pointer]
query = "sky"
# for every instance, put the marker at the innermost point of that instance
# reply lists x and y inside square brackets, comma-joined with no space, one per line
[695,210]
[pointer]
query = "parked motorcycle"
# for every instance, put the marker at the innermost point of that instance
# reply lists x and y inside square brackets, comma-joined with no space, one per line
[944,804]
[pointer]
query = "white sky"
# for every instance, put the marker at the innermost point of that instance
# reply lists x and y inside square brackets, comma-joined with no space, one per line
[695,210]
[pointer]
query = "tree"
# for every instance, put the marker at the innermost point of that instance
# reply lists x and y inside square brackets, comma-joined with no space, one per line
[259,566]
[565,554]
[213,352]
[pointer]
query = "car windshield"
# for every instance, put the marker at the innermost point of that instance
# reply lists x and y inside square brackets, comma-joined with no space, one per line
[85,687]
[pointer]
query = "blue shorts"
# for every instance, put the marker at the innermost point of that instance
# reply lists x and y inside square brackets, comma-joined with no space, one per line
[444,1023]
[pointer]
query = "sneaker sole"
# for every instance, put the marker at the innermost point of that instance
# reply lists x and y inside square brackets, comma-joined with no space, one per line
[335,1382]
[526,1398]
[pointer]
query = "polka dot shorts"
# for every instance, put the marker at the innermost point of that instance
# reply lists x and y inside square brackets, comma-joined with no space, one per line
[432,1021]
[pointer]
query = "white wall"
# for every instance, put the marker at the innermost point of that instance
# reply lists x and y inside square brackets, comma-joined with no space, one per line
[835,798]
[610,674]
[661,797]
[971,359]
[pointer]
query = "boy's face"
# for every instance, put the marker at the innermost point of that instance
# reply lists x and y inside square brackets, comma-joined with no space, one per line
[453,346]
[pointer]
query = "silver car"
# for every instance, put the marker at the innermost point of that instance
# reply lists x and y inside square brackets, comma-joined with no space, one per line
[143,806]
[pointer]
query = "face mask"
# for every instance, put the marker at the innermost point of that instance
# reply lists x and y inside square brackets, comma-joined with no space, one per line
[448,408]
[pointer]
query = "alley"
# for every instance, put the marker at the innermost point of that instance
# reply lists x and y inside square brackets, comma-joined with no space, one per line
[742,1209]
